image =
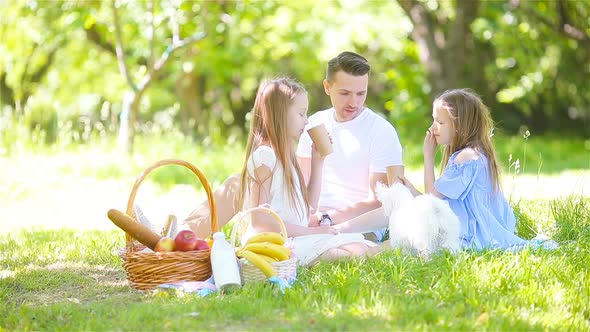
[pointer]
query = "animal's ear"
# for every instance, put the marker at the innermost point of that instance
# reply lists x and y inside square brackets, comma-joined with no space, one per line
[398,186]
[379,188]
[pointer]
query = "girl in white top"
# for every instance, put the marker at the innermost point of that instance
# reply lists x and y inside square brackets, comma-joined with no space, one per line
[271,176]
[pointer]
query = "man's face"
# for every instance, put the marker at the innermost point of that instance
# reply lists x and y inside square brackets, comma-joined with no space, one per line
[348,94]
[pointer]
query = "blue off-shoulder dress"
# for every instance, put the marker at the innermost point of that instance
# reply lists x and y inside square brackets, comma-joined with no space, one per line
[487,220]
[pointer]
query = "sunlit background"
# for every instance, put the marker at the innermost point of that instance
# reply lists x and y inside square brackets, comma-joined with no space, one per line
[93,92]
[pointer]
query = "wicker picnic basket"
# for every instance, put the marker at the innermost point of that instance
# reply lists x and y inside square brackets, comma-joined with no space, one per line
[147,270]
[286,269]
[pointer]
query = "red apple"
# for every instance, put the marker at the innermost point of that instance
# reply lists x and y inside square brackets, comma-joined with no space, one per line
[202,245]
[186,240]
[164,244]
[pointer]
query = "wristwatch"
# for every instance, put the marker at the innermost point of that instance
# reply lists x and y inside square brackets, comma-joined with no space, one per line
[325,220]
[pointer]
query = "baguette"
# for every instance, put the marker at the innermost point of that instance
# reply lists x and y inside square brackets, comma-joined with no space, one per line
[138,231]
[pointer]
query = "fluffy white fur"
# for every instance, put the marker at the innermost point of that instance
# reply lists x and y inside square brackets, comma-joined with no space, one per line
[420,225]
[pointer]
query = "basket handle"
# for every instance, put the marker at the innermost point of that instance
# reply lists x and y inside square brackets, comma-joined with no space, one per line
[239,218]
[178,162]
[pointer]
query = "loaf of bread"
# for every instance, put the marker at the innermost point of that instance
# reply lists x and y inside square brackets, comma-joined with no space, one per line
[138,231]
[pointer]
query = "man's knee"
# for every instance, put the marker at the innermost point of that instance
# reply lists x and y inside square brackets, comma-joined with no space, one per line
[233,180]
[225,201]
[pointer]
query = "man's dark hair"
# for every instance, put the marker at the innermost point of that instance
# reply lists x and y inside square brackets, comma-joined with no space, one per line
[348,62]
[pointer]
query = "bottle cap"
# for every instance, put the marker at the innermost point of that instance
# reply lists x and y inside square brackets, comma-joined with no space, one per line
[219,235]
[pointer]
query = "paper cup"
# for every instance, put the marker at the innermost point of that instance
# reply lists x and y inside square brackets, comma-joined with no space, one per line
[321,139]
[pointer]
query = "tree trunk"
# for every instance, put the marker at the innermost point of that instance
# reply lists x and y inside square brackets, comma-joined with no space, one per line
[127,120]
[6,92]
[132,99]
[190,90]
[444,44]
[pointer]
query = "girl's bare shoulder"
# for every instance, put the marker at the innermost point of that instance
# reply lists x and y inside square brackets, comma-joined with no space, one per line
[466,155]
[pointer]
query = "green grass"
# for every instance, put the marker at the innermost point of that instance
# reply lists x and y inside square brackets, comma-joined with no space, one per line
[104,162]
[544,154]
[69,278]
[536,155]
[547,155]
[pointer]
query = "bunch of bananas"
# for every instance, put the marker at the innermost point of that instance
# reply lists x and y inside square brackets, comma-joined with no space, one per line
[263,249]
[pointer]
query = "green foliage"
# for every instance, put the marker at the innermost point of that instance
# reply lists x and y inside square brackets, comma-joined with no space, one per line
[542,154]
[60,81]
[215,161]
[526,226]
[546,154]
[572,215]
[537,66]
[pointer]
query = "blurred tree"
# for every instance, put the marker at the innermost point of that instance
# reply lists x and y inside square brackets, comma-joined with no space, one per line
[65,65]
[444,40]
[132,98]
[552,86]
[29,44]
[571,19]
[495,48]
[247,42]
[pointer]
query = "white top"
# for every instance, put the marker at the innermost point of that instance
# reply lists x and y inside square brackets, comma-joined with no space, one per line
[366,144]
[279,198]
[306,248]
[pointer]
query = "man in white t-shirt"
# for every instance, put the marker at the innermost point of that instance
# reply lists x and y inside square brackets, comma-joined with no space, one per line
[364,145]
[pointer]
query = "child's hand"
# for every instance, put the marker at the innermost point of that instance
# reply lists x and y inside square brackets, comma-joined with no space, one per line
[429,144]
[315,154]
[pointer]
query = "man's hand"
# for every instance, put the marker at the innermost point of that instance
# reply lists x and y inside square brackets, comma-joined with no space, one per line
[409,185]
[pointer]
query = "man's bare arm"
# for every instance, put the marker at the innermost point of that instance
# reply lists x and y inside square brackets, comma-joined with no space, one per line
[364,206]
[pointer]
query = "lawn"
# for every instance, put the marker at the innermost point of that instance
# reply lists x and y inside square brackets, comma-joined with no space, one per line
[59,271]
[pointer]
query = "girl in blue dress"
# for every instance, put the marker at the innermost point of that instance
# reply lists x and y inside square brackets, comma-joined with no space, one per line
[469,180]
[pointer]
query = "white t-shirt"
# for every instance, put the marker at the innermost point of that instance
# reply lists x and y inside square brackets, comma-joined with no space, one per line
[307,247]
[279,198]
[366,144]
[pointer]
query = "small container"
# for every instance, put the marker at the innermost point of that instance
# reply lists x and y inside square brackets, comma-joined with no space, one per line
[224,264]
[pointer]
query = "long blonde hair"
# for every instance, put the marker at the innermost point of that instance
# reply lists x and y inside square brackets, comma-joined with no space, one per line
[269,125]
[473,128]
